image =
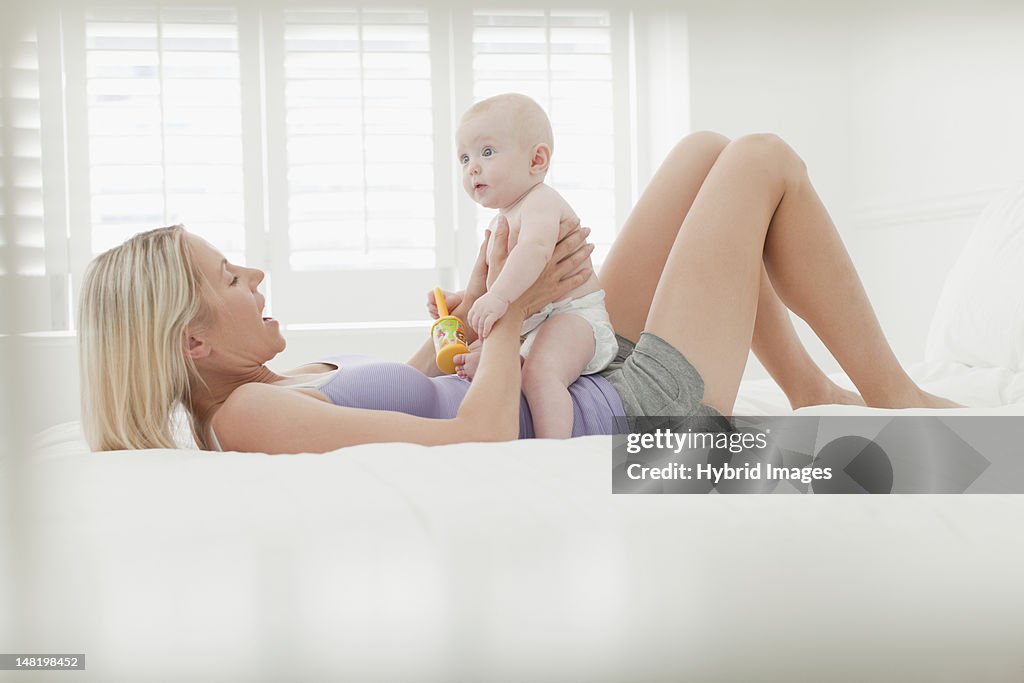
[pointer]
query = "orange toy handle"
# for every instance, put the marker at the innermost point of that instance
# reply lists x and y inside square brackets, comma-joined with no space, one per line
[442,307]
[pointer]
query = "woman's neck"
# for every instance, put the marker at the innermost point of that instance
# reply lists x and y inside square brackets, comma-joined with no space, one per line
[219,385]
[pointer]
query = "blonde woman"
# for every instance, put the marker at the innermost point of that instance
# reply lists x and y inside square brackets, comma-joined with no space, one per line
[725,237]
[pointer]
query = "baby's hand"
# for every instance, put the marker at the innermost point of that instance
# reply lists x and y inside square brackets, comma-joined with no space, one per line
[487,310]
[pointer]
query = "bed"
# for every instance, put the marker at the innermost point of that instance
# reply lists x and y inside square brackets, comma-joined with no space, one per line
[513,562]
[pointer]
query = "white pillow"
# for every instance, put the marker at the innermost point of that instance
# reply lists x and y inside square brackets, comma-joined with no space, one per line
[979,320]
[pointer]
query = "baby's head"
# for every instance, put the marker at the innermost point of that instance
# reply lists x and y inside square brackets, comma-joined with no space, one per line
[504,147]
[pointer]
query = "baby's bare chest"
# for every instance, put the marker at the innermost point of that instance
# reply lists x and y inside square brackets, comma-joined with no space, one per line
[557,221]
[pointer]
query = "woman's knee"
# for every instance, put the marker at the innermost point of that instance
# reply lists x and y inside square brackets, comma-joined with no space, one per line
[703,143]
[772,152]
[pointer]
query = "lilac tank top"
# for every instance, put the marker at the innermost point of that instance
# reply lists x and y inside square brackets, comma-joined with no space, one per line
[367,382]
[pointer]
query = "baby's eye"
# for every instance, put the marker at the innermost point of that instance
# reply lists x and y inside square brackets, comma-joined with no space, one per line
[464,159]
[488,151]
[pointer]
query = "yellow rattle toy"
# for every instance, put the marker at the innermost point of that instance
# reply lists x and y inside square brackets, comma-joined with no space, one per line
[449,335]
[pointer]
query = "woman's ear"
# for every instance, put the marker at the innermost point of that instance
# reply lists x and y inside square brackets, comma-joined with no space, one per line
[196,348]
[541,159]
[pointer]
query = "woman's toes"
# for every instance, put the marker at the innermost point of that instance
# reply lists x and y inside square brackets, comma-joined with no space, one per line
[828,393]
[842,396]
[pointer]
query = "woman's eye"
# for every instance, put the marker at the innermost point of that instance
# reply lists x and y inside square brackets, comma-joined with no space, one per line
[488,151]
[234,281]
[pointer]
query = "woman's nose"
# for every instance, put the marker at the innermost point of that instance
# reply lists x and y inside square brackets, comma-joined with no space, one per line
[257,276]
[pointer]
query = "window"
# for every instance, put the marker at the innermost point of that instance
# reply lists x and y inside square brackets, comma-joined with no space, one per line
[360,132]
[316,142]
[164,121]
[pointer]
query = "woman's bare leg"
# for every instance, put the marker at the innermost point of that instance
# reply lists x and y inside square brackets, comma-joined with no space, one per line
[777,346]
[635,263]
[706,302]
[633,267]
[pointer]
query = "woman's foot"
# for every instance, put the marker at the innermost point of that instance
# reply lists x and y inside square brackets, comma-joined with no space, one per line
[826,393]
[917,398]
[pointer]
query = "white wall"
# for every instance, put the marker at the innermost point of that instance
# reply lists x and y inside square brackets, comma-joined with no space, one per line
[908,116]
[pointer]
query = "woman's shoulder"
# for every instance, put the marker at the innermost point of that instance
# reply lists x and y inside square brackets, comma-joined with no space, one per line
[258,410]
[249,401]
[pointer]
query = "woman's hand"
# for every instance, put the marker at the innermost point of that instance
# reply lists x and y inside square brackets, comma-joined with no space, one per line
[479,278]
[451,300]
[566,270]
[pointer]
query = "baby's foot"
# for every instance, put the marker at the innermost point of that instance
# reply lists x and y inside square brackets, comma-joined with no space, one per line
[468,367]
[828,393]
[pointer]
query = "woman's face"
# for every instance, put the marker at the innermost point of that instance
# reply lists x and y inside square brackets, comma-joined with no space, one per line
[239,330]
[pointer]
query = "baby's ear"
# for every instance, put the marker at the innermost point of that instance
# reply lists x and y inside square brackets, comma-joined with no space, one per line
[540,159]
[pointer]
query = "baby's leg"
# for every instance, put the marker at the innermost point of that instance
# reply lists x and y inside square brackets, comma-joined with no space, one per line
[563,347]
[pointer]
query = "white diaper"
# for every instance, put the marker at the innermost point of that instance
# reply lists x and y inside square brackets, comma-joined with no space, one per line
[590,308]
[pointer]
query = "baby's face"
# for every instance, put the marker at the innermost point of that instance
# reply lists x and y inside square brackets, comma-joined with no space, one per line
[495,164]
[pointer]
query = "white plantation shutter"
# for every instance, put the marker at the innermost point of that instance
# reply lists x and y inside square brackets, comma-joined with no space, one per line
[564,60]
[164,111]
[360,156]
[24,272]
[359,120]
[314,141]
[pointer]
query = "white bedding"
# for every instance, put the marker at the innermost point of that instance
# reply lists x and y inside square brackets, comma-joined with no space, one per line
[512,562]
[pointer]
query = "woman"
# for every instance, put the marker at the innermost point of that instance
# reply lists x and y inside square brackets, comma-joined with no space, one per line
[723,232]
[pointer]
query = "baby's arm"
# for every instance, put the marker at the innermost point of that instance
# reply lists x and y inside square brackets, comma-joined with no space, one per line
[539,218]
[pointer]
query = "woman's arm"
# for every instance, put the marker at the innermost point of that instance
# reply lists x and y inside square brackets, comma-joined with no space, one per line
[270,419]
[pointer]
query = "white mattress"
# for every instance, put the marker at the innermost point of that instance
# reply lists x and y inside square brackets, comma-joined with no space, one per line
[512,562]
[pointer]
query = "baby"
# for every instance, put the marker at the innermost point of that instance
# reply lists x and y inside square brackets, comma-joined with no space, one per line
[504,148]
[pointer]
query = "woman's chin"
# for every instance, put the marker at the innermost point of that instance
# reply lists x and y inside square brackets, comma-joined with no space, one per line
[281,342]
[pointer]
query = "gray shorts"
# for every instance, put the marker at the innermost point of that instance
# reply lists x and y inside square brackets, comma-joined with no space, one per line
[653,378]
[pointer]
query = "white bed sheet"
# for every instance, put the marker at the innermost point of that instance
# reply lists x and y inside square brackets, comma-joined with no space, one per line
[510,562]
[985,391]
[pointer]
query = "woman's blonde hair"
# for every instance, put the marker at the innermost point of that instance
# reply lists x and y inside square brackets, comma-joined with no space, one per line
[137,300]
